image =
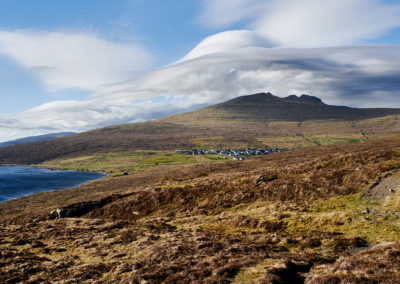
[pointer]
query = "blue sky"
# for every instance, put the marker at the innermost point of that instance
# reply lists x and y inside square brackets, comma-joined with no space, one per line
[167,28]
[108,54]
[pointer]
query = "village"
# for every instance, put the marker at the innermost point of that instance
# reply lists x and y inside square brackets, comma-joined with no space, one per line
[236,154]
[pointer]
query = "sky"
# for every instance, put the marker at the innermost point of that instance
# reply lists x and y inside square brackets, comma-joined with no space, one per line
[81,64]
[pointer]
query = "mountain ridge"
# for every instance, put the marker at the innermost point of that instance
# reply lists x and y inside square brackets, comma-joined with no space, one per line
[267,97]
[247,121]
[293,108]
[35,138]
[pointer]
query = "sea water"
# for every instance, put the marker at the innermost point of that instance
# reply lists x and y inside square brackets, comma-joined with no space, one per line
[16,181]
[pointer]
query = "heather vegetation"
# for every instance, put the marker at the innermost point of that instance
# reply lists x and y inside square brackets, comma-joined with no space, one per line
[320,215]
[326,214]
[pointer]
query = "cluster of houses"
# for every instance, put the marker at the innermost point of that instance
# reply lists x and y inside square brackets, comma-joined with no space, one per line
[237,154]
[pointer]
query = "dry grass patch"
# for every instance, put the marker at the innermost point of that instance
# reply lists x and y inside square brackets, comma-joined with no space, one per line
[272,218]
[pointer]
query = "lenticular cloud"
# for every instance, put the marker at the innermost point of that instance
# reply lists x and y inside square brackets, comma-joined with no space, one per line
[73,60]
[222,67]
[311,23]
[306,23]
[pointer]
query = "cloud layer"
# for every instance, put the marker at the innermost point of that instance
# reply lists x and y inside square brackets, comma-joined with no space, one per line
[291,47]
[364,76]
[306,23]
[73,60]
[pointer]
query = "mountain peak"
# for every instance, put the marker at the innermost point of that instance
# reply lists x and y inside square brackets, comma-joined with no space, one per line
[304,98]
[260,95]
[255,99]
[310,99]
[268,99]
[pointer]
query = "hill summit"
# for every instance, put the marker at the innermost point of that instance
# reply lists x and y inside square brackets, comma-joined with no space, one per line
[266,106]
[268,98]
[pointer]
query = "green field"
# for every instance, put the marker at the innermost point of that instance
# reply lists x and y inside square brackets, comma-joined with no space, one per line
[120,163]
[335,139]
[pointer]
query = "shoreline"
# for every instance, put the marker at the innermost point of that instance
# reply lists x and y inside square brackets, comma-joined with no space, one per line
[51,168]
[54,189]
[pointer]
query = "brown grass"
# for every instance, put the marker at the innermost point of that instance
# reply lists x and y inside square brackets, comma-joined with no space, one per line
[269,219]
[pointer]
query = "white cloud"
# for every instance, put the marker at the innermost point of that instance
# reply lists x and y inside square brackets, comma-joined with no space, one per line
[307,23]
[226,42]
[73,60]
[332,74]
[222,67]
[327,23]
[85,115]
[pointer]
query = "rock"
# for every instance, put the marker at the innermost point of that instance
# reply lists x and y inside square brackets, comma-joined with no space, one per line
[366,211]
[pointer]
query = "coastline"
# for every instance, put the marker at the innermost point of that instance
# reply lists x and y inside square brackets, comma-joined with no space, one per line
[52,168]
[43,183]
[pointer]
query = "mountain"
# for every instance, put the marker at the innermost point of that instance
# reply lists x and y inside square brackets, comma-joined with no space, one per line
[313,215]
[265,106]
[259,120]
[36,138]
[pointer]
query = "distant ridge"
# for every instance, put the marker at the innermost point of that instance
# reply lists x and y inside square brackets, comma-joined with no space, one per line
[35,138]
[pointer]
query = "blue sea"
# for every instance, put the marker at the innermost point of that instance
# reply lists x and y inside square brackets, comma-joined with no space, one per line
[16,181]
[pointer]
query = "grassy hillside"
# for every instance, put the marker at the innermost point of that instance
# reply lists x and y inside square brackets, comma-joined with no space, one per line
[260,120]
[325,214]
[318,215]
